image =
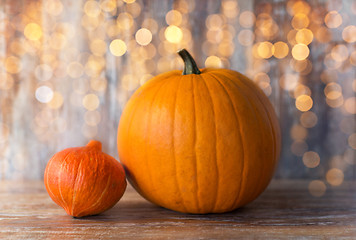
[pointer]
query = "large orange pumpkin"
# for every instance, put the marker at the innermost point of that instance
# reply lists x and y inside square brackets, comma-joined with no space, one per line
[84,180]
[199,142]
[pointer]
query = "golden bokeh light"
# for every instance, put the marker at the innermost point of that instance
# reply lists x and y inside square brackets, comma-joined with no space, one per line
[339,52]
[349,34]
[118,47]
[174,17]
[264,49]
[300,21]
[304,103]
[91,102]
[300,51]
[350,105]
[311,159]
[304,36]
[298,132]
[299,147]
[333,19]
[247,19]
[173,34]
[352,140]
[56,101]
[213,62]
[335,177]
[143,36]
[246,37]
[280,49]
[33,31]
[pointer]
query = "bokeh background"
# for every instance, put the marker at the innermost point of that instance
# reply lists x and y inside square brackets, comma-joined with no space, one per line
[68,68]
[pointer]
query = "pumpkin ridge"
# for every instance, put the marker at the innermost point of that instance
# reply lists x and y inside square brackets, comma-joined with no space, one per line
[76,184]
[148,129]
[257,97]
[173,145]
[273,129]
[216,154]
[240,135]
[59,182]
[195,144]
[99,199]
[47,185]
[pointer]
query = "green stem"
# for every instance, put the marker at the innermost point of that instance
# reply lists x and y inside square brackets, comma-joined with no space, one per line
[190,67]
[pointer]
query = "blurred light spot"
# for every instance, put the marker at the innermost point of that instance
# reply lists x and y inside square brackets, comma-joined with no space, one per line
[264,49]
[91,102]
[230,8]
[173,34]
[246,37]
[75,69]
[53,7]
[339,53]
[317,188]
[350,105]
[323,35]
[98,84]
[333,91]
[56,101]
[124,21]
[118,47]
[304,36]
[298,132]
[213,62]
[134,9]
[335,177]
[174,17]
[304,103]
[98,47]
[13,64]
[289,81]
[33,31]
[300,21]
[301,89]
[129,1]
[247,19]
[280,50]
[143,36]
[308,119]
[92,8]
[298,148]
[108,5]
[300,51]
[333,19]
[311,159]
[295,7]
[44,94]
[92,118]
[349,34]
[129,82]
[214,22]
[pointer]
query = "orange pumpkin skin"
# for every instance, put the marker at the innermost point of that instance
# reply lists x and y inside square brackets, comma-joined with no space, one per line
[84,180]
[199,143]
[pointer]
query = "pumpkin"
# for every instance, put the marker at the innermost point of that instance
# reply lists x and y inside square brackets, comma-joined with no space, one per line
[84,180]
[201,141]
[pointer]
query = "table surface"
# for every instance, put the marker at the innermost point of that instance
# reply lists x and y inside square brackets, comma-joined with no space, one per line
[284,210]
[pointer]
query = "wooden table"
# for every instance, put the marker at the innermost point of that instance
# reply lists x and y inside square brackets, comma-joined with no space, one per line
[284,210]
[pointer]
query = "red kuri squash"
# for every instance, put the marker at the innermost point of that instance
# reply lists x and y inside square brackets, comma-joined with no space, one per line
[84,180]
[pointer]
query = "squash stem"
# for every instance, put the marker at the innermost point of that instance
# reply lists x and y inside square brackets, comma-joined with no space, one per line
[190,67]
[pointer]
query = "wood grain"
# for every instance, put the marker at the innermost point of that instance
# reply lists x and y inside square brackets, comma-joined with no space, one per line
[284,210]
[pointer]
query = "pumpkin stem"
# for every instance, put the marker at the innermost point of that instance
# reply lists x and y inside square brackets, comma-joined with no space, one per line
[190,67]
[94,144]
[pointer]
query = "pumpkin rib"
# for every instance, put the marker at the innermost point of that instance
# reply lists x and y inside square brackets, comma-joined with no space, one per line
[148,129]
[215,143]
[263,107]
[173,143]
[99,199]
[59,183]
[76,184]
[195,142]
[262,179]
[240,135]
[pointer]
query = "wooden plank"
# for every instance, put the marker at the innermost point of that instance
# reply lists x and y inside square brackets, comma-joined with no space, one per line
[284,210]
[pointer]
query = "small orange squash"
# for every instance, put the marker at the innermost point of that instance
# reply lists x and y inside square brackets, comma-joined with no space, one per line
[84,180]
[205,141]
